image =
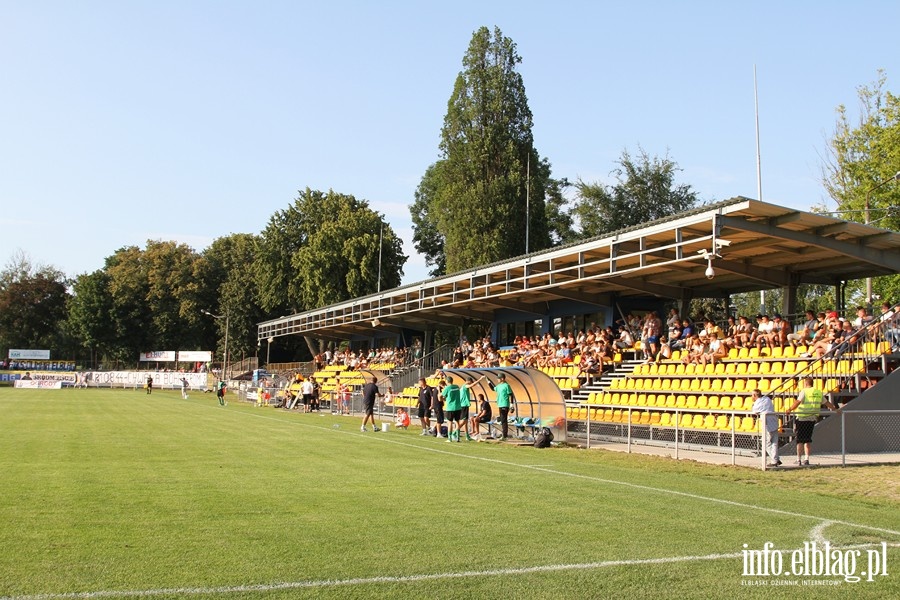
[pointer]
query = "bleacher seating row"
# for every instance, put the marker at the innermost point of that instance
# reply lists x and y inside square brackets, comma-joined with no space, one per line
[686,420]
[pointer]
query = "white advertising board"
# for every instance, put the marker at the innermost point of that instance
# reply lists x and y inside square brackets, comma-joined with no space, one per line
[29,354]
[194,356]
[158,356]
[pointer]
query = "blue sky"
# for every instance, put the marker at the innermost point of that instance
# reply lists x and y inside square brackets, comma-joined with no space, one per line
[189,120]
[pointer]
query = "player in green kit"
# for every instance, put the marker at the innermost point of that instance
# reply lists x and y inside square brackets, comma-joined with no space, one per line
[504,395]
[451,395]
[465,400]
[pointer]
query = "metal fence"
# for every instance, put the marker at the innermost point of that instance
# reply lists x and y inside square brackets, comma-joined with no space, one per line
[866,436]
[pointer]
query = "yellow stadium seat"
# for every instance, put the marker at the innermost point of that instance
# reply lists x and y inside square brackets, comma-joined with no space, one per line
[676,355]
[655,418]
[753,368]
[748,424]
[670,401]
[730,368]
[732,353]
[737,385]
[692,401]
[748,403]
[741,369]
[719,369]
[685,420]
[697,422]
[645,418]
[702,402]
[666,420]
[722,422]
[744,353]
[728,385]
[716,385]
[713,402]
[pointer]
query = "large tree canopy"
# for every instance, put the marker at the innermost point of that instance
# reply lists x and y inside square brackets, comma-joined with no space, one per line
[861,168]
[32,305]
[863,158]
[645,190]
[471,206]
[323,249]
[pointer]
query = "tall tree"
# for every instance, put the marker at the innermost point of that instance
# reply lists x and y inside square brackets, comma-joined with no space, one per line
[863,156]
[862,161]
[476,202]
[226,285]
[90,314]
[427,238]
[324,248]
[33,301]
[645,190]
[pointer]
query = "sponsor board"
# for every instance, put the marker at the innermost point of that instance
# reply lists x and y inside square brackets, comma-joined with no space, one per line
[194,356]
[168,379]
[39,384]
[158,356]
[29,354]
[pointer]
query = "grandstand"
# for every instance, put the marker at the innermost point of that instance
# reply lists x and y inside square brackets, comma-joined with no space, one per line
[714,251]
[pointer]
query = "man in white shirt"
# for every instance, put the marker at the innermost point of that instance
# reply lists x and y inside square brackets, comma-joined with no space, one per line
[762,405]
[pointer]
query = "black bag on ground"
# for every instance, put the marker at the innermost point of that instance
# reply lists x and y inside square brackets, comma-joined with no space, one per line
[543,438]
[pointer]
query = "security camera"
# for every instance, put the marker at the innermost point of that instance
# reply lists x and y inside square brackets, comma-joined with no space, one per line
[723,243]
[710,272]
[376,323]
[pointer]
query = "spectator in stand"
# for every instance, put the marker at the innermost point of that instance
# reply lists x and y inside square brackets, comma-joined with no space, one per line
[591,364]
[830,336]
[745,333]
[731,333]
[764,328]
[625,339]
[806,332]
[889,326]
[715,351]
[696,346]
[673,321]
[780,330]
[650,335]
[863,318]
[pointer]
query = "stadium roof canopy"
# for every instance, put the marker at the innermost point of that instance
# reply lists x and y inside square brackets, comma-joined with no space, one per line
[750,245]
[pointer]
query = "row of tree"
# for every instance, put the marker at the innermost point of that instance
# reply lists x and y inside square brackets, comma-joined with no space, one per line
[489,197]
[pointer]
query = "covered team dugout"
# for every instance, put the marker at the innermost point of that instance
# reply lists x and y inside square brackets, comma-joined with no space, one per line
[538,400]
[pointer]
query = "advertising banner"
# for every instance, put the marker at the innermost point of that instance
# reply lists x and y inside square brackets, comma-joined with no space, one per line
[137,379]
[158,356]
[194,356]
[29,354]
[42,384]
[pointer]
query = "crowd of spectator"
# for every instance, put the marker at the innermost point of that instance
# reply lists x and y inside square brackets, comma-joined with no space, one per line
[361,359]
[700,340]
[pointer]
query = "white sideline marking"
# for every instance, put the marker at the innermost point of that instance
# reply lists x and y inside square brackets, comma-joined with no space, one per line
[647,488]
[368,580]
[817,533]
[323,583]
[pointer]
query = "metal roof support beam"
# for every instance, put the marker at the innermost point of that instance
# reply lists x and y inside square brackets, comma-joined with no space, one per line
[885,260]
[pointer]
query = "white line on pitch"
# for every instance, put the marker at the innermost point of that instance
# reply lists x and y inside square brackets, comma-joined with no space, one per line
[647,488]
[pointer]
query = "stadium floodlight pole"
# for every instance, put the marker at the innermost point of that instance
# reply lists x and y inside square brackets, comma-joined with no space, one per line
[268,350]
[894,177]
[225,356]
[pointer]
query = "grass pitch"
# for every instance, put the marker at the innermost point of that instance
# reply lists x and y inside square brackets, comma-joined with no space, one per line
[116,494]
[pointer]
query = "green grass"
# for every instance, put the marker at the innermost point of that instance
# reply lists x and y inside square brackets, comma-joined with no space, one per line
[112,490]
